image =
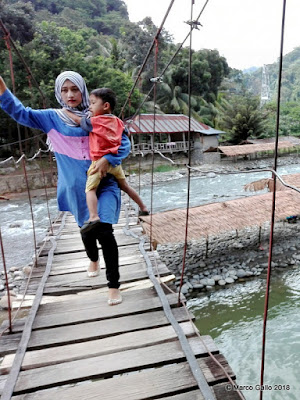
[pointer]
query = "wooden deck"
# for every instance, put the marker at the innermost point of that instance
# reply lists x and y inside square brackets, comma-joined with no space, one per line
[81,348]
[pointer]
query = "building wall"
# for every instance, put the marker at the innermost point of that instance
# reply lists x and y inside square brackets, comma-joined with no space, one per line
[202,143]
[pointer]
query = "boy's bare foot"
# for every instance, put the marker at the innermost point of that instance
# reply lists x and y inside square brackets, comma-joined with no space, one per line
[114,297]
[95,218]
[93,269]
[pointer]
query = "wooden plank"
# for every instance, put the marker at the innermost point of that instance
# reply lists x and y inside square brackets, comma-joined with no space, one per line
[123,251]
[90,330]
[107,365]
[102,312]
[83,262]
[222,393]
[76,245]
[126,287]
[2,383]
[92,301]
[134,270]
[114,344]
[64,284]
[191,395]
[118,231]
[148,384]
[70,265]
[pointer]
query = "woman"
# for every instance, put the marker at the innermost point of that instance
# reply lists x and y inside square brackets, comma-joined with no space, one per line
[71,148]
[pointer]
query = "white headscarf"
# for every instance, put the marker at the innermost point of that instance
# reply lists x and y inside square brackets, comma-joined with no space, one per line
[82,109]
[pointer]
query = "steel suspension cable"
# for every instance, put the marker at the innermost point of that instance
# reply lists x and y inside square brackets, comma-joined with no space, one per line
[11,67]
[266,307]
[7,285]
[7,34]
[173,57]
[147,55]
[189,158]
[153,140]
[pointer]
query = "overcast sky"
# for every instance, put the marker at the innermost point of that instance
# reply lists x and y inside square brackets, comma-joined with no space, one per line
[246,32]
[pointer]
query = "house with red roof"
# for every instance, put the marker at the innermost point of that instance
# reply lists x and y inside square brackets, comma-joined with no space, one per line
[169,134]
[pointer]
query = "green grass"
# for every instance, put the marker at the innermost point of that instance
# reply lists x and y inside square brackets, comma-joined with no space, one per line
[164,168]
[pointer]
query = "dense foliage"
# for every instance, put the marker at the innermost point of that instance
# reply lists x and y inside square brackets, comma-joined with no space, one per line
[97,39]
[241,118]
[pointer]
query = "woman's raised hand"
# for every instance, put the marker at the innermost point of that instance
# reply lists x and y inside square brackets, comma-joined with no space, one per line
[2,86]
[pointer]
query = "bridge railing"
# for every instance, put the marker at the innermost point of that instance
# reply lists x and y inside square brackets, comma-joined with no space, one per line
[169,147]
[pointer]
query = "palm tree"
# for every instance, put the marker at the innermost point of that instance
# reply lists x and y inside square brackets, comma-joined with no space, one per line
[241,118]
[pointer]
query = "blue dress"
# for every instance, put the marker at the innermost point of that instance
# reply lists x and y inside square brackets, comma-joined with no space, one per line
[71,149]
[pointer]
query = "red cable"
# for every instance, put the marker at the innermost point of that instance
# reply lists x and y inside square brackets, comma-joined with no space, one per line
[7,285]
[154,121]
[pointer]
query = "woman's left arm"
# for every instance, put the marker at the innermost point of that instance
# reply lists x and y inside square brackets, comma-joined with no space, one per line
[16,110]
[123,152]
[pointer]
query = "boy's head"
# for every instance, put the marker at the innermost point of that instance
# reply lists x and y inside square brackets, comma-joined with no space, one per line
[102,101]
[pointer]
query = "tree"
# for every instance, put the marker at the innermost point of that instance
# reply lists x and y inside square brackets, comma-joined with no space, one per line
[18,19]
[241,118]
[289,123]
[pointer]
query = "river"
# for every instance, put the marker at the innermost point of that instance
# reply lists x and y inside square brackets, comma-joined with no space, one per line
[233,316]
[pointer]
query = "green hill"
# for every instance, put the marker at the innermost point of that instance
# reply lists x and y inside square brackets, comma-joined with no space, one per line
[290,91]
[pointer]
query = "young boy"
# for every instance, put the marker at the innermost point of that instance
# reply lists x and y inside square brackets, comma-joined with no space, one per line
[105,137]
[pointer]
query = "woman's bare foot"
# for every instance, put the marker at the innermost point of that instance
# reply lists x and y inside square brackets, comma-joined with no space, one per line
[93,269]
[114,297]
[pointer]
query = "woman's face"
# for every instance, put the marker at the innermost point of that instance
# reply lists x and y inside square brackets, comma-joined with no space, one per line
[70,94]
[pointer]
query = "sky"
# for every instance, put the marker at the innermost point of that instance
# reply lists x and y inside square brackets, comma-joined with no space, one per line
[246,32]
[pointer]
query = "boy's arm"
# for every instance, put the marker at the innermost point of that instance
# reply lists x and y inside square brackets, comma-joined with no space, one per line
[73,116]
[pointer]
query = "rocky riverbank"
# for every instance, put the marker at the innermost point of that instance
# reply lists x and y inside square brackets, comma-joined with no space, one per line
[232,262]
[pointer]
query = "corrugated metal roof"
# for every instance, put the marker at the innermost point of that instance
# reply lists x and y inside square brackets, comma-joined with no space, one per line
[167,123]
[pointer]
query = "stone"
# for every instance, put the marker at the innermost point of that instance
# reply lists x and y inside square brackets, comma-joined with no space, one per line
[27,270]
[229,280]
[4,301]
[198,286]
[216,278]
[221,282]
[210,282]
[184,289]
[211,175]
[15,225]
[203,281]
[241,273]
[18,278]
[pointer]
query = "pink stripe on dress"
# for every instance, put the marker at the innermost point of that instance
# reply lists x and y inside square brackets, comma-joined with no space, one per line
[76,147]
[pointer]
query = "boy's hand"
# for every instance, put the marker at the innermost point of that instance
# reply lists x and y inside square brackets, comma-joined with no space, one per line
[73,116]
[101,167]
